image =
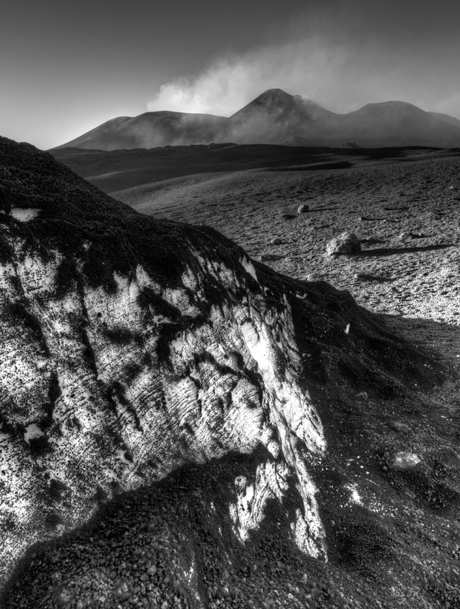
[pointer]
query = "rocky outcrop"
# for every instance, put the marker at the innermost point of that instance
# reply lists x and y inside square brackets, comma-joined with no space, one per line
[132,347]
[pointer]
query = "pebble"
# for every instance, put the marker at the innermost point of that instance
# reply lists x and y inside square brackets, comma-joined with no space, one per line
[404,460]
[398,426]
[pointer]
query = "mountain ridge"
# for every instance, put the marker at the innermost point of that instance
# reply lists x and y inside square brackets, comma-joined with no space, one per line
[276,116]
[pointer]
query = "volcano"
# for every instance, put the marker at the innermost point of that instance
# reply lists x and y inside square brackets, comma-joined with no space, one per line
[276,117]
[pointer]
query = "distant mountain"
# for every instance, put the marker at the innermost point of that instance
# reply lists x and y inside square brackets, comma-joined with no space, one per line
[396,123]
[276,117]
[445,117]
[151,130]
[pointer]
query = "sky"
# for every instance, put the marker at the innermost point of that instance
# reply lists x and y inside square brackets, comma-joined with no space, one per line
[68,66]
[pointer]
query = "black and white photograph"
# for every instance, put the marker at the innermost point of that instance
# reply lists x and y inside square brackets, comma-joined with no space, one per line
[230,304]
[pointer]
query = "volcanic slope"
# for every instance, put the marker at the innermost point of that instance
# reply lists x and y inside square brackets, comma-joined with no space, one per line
[447,118]
[276,117]
[122,169]
[150,130]
[184,427]
[403,204]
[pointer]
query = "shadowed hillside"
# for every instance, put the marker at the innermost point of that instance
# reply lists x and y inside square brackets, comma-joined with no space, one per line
[119,170]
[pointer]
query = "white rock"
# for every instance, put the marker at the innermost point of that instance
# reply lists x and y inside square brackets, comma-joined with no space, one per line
[405,460]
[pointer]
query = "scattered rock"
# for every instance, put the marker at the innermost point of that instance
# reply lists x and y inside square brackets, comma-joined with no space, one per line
[398,426]
[303,209]
[276,241]
[404,460]
[64,596]
[123,591]
[345,243]
[364,277]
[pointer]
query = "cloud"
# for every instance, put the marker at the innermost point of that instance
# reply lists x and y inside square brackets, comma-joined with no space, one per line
[302,67]
[341,59]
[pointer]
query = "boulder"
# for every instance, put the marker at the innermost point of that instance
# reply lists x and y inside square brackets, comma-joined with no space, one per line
[346,243]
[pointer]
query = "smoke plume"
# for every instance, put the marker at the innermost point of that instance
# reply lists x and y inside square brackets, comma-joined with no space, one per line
[341,59]
[303,67]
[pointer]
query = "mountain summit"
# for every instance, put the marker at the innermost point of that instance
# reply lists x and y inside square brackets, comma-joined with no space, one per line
[276,103]
[275,116]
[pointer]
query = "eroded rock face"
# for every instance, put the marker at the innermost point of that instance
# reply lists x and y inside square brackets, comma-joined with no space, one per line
[102,392]
[110,381]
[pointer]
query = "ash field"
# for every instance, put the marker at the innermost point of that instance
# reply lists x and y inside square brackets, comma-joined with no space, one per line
[259,424]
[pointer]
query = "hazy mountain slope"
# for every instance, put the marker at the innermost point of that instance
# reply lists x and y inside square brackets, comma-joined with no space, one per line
[397,123]
[445,117]
[150,130]
[134,348]
[278,117]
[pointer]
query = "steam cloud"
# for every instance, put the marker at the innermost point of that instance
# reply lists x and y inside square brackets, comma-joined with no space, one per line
[339,68]
[303,68]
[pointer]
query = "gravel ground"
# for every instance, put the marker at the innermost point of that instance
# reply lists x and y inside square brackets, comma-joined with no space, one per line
[406,212]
